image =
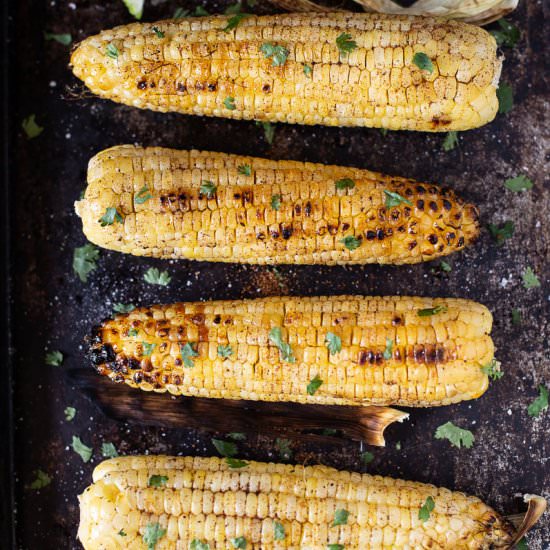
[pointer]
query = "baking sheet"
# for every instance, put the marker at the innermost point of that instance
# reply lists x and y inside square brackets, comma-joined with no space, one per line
[53,310]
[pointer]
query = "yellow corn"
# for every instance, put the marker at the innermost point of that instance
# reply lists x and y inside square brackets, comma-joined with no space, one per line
[231,349]
[193,66]
[283,212]
[274,506]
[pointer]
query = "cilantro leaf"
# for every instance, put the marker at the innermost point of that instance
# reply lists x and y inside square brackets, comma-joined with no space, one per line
[388,352]
[522,544]
[335,547]
[540,404]
[235,463]
[285,351]
[158,32]
[351,242]
[450,141]
[153,533]
[70,413]
[123,308]
[122,533]
[519,183]
[225,351]
[345,183]
[54,358]
[143,195]
[308,71]
[208,188]
[278,531]
[41,480]
[367,457]
[394,199]
[147,348]
[345,43]
[196,544]
[31,128]
[283,446]
[432,311]
[135,7]
[200,11]
[112,51]
[530,279]
[278,54]
[492,370]
[508,35]
[187,351]
[84,451]
[234,21]
[333,342]
[111,216]
[275,202]
[237,436]
[64,39]
[340,517]
[501,232]
[426,510]
[229,103]
[155,277]
[225,448]
[244,169]
[423,62]
[157,481]
[457,436]
[516,317]
[505,96]
[132,333]
[108,450]
[269,131]
[234,8]
[84,261]
[314,385]
[239,542]
[445,267]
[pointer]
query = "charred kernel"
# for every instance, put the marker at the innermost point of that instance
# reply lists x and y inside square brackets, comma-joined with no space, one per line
[217,319]
[433,190]
[199,86]
[165,379]
[247,196]
[450,237]
[433,206]
[181,330]
[389,232]
[408,191]
[142,84]
[460,241]
[396,321]
[332,229]
[133,363]
[103,354]
[395,214]
[266,88]
[412,245]
[118,378]
[432,239]
[407,212]
[212,87]
[152,85]
[370,357]
[371,235]
[260,236]
[379,357]
[362,359]
[440,247]
[401,229]
[380,234]
[286,231]
[163,332]
[138,377]
[420,204]
[146,366]
[237,196]
[345,226]
[176,379]
[420,189]
[431,354]
[458,215]
[419,354]
[298,209]
[307,209]
[447,205]
[178,362]
[274,234]
[197,319]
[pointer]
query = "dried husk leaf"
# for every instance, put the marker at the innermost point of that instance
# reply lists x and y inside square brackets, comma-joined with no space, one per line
[480,12]
[536,505]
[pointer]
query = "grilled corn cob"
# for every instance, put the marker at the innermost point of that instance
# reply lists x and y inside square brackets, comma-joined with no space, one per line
[336,69]
[274,506]
[219,207]
[353,350]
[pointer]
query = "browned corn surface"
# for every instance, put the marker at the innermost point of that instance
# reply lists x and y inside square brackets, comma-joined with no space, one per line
[435,360]
[196,66]
[239,224]
[204,499]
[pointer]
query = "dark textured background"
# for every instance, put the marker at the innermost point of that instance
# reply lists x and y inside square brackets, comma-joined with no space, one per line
[53,310]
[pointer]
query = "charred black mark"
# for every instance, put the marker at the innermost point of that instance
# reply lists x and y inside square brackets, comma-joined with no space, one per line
[180,87]
[371,235]
[142,84]
[433,206]
[307,209]
[447,205]
[420,204]
[432,239]
[412,245]
[102,354]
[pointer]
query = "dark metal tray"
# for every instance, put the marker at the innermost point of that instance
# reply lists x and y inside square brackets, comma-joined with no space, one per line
[52,309]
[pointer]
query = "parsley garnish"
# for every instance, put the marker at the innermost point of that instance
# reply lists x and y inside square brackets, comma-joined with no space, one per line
[505,97]
[70,413]
[285,351]
[42,479]
[426,510]
[269,131]
[225,351]
[112,51]
[394,199]
[244,169]
[54,358]
[187,351]
[450,141]
[239,542]
[492,370]
[345,43]
[516,317]
[64,39]
[155,277]
[84,261]
[432,311]
[314,385]
[147,348]
[229,103]
[233,23]
[143,195]
[508,35]
[423,62]
[153,533]
[501,232]
[278,531]
[31,128]
[340,517]
[84,451]
[345,183]
[111,216]
[283,446]
[308,71]
[225,448]
[388,352]
[275,202]
[333,342]
[123,308]
[157,481]
[530,280]
[278,54]
[519,183]
[540,404]
[108,450]
[132,333]
[122,533]
[457,436]
[196,544]
[367,457]
[235,463]
[158,32]
[208,188]
[351,242]
[445,267]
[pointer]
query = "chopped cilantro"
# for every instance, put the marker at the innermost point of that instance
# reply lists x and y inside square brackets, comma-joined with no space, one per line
[351,242]
[70,413]
[285,351]
[225,351]
[112,51]
[426,510]
[314,385]
[432,311]
[108,450]
[345,43]
[388,352]
[423,62]
[64,39]
[208,188]
[519,183]
[394,199]
[157,481]
[153,533]
[501,232]
[41,480]
[278,54]
[505,96]
[143,195]
[84,261]
[340,517]
[345,183]
[82,450]
[111,216]
[229,103]
[54,358]
[540,404]
[31,128]
[333,342]
[530,279]
[155,277]
[457,436]
[187,351]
